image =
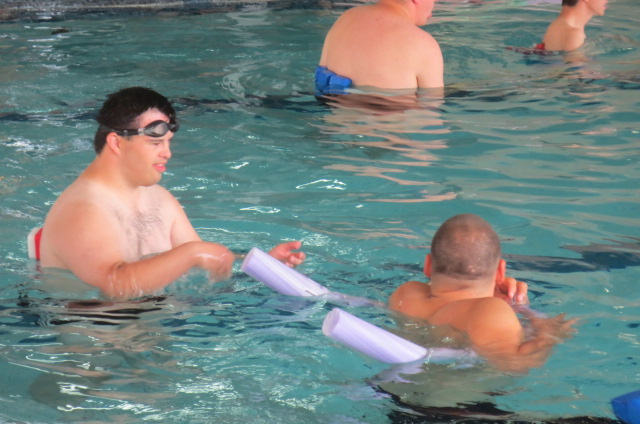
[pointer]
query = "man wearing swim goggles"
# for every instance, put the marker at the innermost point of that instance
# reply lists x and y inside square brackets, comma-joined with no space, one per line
[114,227]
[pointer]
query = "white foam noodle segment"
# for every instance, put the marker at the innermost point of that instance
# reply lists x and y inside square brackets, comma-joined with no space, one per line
[369,339]
[281,278]
[385,346]
[32,247]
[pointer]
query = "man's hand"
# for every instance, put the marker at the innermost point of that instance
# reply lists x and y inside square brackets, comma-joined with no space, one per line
[284,253]
[215,258]
[555,329]
[512,291]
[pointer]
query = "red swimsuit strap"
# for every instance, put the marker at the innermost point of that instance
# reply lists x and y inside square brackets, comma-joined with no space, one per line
[36,242]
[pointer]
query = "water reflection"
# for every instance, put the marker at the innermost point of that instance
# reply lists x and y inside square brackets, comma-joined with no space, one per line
[398,135]
[88,354]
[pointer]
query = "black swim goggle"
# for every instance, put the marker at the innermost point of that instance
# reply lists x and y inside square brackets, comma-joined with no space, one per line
[155,129]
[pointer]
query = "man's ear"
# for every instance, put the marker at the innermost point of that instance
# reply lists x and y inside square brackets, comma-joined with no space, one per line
[427,266]
[501,271]
[113,142]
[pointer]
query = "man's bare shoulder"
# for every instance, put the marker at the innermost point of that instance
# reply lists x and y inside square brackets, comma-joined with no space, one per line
[80,213]
[412,288]
[425,57]
[157,192]
[101,195]
[574,39]
[358,15]
[561,35]
[492,314]
[358,11]
[409,298]
[494,304]
[420,39]
[365,11]
[385,21]
[86,194]
[82,193]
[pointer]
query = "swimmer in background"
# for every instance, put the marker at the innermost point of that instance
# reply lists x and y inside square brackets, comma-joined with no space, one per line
[566,32]
[381,45]
[465,270]
[114,227]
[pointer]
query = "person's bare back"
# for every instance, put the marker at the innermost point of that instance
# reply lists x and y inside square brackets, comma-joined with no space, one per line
[381,45]
[470,313]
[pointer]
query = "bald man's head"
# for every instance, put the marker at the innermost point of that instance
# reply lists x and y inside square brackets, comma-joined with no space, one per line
[465,246]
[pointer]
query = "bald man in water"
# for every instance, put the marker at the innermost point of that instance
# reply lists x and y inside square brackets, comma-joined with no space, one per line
[115,227]
[381,45]
[566,32]
[466,272]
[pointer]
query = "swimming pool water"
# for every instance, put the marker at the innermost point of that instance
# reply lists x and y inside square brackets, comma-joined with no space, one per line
[547,151]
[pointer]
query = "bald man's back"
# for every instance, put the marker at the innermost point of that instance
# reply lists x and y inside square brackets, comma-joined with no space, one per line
[381,46]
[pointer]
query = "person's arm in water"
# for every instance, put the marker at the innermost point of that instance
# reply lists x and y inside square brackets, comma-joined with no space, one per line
[430,70]
[495,332]
[93,251]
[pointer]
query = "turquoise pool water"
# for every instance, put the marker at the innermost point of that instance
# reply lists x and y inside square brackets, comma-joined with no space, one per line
[547,151]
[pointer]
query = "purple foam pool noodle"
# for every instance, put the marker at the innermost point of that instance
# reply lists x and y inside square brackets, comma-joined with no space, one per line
[369,339]
[281,278]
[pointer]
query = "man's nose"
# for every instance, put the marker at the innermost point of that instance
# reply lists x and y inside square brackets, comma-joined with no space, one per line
[166,151]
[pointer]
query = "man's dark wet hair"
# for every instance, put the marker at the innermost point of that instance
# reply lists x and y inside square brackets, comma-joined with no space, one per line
[465,246]
[122,109]
[569,2]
